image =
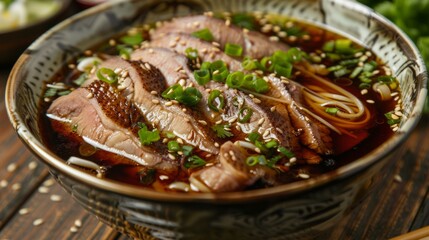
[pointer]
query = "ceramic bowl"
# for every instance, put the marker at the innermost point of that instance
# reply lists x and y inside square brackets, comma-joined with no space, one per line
[14,41]
[298,210]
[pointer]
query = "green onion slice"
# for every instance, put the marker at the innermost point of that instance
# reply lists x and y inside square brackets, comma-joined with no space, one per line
[252,161]
[147,137]
[107,75]
[173,146]
[216,100]
[203,34]
[132,40]
[219,70]
[235,80]
[194,162]
[245,114]
[202,76]
[191,53]
[234,50]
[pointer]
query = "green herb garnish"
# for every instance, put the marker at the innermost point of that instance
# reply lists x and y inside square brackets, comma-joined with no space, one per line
[147,137]
[194,162]
[222,131]
[203,34]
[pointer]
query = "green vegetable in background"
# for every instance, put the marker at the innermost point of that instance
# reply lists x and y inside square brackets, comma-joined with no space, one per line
[412,17]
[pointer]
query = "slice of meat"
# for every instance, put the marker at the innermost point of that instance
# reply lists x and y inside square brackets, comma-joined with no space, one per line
[312,133]
[143,84]
[90,115]
[231,174]
[255,44]
[207,52]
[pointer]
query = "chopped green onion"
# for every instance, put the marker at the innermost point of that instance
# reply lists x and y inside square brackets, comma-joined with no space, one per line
[206,65]
[189,96]
[219,70]
[64,92]
[343,46]
[235,80]
[50,92]
[272,144]
[216,100]
[349,62]
[332,111]
[253,137]
[252,161]
[243,20]
[369,67]
[265,63]
[124,51]
[245,114]
[194,162]
[170,135]
[202,76]
[260,85]
[191,53]
[286,152]
[341,72]
[364,85]
[283,70]
[107,75]
[234,50]
[132,40]
[187,150]
[249,64]
[390,120]
[81,79]
[261,146]
[173,146]
[203,34]
[356,72]
[147,137]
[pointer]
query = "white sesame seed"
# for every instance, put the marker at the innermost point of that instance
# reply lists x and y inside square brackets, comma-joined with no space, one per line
[3,183]
[364,91]
[89,96]
[165,140]
[73,229]
[266,133]
[49,182]
[43,189]
[179,140]
[163,177]
[394,117]
[23,211]
[258,150]
[171,156]
[202,122]
[11,167]
[399,114]
[156,101]
[261,121]
[273,108]
[37,222]
[256,100]
[233,120]
[274,38]
[370,101]
[395,129]
[32,165]
[398,178]
[169,103]
[394,94]
[16,186]
[216,144]
[304,175]
[292,160]
[55,198]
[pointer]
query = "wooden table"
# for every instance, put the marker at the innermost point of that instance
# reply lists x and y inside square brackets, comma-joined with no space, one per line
[33,206]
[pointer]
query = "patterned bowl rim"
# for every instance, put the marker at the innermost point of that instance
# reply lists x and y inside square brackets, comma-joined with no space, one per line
[58,165]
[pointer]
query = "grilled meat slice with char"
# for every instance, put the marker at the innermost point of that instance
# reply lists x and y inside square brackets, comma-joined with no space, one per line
[141,80]
[255,44]
[102,117]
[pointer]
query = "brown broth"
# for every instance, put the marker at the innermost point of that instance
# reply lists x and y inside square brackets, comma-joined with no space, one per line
[378,132]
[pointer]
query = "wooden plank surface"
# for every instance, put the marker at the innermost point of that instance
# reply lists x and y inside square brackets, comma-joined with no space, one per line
[398,204]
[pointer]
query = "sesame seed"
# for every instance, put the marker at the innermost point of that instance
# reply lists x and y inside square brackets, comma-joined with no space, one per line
[154,92]
[266,133]
[282,34]
[171,156]
[156,101]
[245,30]
[292,38]
[72,66]
[261,121]
[89,96]
[151,50]
[180,153]
[273,109]
[233,120]
[112,42]
[37,222]
[227,22]
[163,177]
[215,72]
[179,140]
[399,114]
[304,175]
[394,94]
[219,122]
[49,182]
[23,211]
[216,144]
[238,127]
[274,38]
[190,135]
[184,109]
[165,140]
[216,44]
[258,150]
[395,129]
[394,117]
[11,167]
[364,91]
[3,183]
[292,160]
[43,189]
[55,198]
[73,229]
[256,100]
[397,178]
[202,122]
[16,186]
[169,103]
[370,101]
[78,223]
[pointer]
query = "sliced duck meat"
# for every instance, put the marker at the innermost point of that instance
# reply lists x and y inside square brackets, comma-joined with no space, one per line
[312,133]
[231,174]
[207,52]
[142,83]
[105,120]
[255,44]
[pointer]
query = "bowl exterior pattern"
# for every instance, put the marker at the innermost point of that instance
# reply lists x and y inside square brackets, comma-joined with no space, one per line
[289,215]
